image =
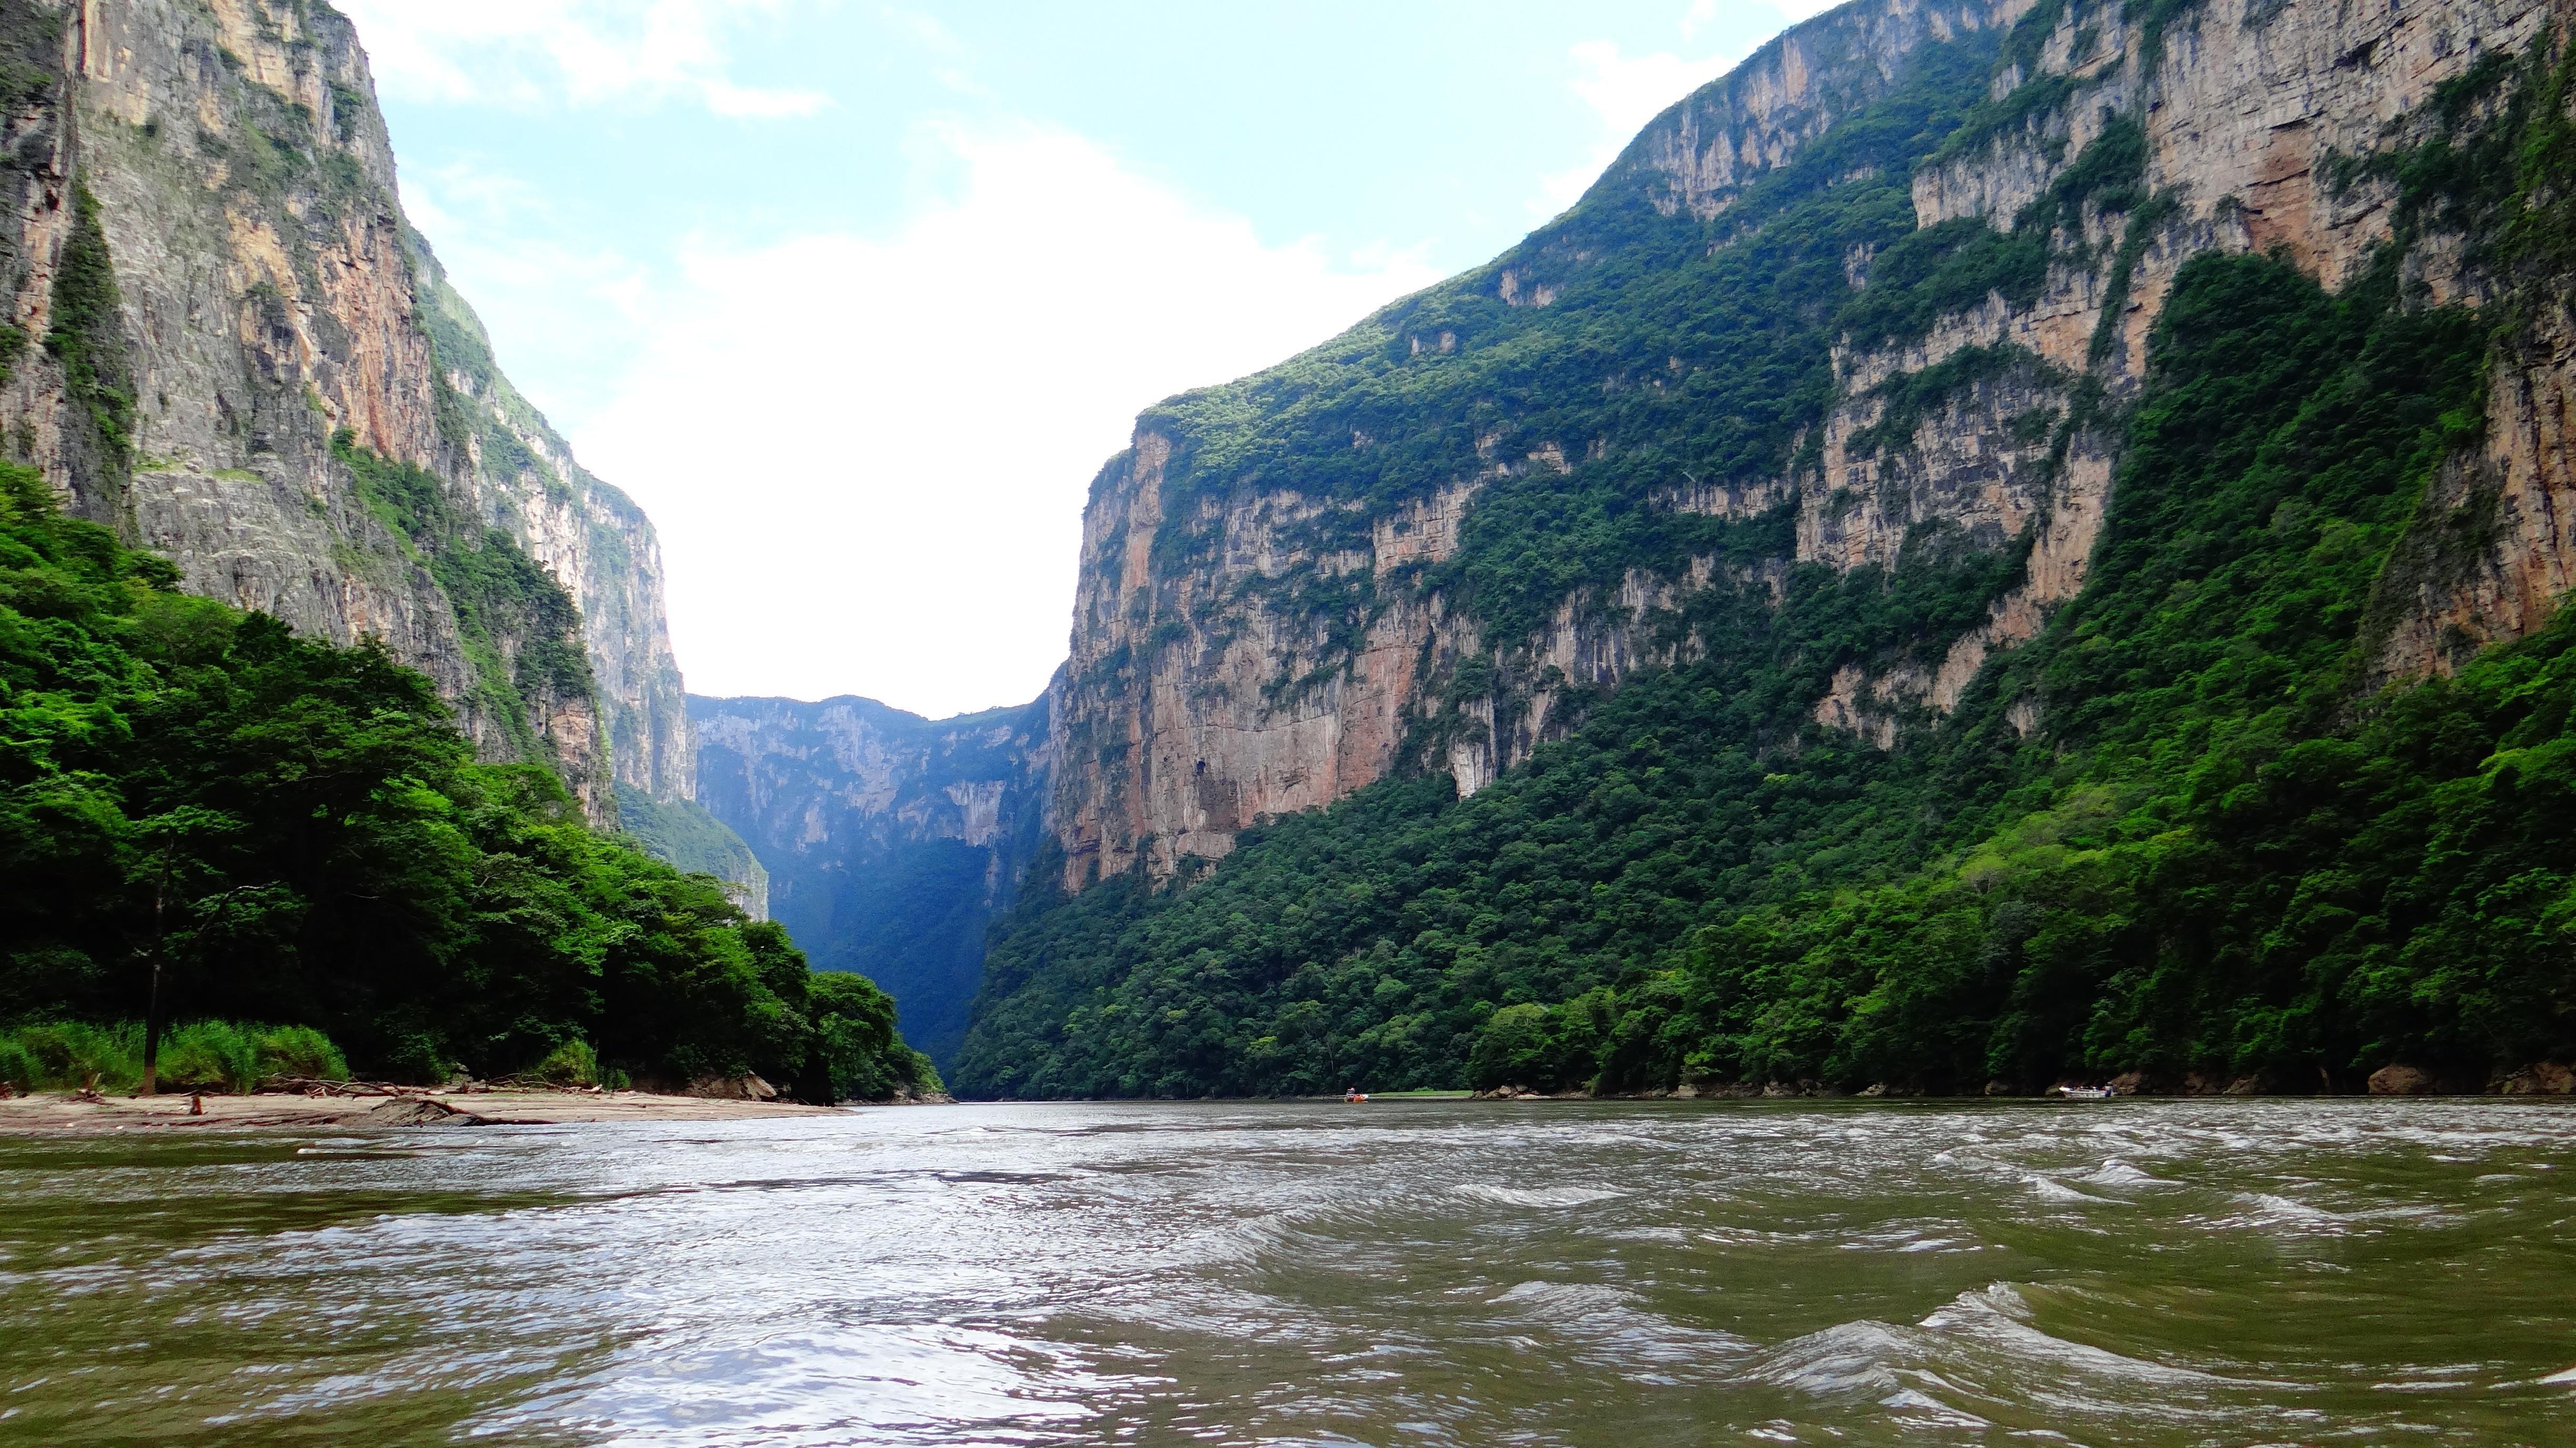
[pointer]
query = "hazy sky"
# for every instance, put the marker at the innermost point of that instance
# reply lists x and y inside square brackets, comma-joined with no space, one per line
[856,298]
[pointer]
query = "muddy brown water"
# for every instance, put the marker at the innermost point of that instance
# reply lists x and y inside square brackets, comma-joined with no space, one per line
[1613,1274]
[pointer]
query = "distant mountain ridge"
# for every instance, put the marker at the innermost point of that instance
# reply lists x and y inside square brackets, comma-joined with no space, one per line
[891,841]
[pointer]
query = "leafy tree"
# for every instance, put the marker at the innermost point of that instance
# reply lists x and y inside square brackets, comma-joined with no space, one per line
[328,855]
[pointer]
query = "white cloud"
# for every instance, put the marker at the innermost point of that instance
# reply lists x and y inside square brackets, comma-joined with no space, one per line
[533,54]
[564,312]
[867,455]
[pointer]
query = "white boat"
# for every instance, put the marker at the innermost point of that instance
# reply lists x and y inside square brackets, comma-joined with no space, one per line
[2085,1093]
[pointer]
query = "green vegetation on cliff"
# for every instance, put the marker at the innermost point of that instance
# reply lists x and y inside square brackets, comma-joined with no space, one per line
[300,835]
[1678,350]
[681,833]
[520,632]
[2181,832]
[88,334]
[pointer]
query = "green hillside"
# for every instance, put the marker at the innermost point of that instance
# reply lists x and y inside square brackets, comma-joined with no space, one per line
[300,836]
[2223,851]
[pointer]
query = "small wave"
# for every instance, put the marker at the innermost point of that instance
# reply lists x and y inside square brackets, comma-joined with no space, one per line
[1970,1161]
[2268,1207]
[1672,1236]
[1542,1197]
[1926,1235]
[1999,1319]
[1289,1234]
[1758,1237]
[1599,1324]
[1573,1299]
[1847,1360]
[2118,1173]
[1907,1400]
[2052,1191]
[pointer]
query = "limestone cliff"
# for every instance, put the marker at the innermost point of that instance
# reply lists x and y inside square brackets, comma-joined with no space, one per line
[1289,585]
[890,840]
[228,344]
[587,534]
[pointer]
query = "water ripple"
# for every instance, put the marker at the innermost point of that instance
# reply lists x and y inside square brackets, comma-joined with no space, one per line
[1545,1274]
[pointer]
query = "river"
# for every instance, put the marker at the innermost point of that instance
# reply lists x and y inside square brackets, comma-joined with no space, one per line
[1614,1274]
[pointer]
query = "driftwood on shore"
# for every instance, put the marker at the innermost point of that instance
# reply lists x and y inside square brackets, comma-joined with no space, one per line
[366,1105]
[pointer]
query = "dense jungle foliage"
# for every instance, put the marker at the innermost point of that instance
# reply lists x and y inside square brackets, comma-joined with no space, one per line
[2222,850]
[300,836]
[682,834]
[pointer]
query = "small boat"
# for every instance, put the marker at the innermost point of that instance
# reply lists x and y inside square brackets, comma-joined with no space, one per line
[1355,1096]
[2085,1093]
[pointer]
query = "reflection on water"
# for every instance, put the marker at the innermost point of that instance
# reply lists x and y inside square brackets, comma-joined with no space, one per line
[1431,1273]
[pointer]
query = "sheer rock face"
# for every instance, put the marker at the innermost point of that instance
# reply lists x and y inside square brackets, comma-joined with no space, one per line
[1195,707]
[891,840]
[2515,502]
[1699,154]
[592,538]
[271,295]
[2242,112]
[1168,760]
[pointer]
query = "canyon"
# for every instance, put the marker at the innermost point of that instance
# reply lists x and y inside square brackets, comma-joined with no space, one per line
[891,842]
[1827,389]
[1278,607]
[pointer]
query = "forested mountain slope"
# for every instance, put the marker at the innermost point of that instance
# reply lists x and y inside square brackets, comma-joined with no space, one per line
[296,833]
[323,666]
[229,346]
[1996,543]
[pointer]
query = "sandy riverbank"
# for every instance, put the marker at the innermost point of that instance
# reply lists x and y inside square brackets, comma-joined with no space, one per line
[61,1114]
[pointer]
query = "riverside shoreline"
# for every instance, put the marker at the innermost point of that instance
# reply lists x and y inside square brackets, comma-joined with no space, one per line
[56,1113]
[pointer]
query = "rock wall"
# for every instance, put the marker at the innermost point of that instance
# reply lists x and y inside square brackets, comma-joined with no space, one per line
[2493,551]
[268,297]
[890,840]
[589,535]
[1198,702]
[1174,731]
[2244,107]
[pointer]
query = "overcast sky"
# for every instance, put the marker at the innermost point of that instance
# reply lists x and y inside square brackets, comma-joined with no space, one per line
[856,298]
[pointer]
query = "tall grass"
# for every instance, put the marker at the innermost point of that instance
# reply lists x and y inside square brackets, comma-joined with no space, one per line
[218,1056]
[571,1064]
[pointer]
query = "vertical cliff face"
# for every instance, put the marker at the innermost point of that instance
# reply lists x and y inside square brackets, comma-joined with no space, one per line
[1427,543]
[1261,644]
[586,533]
[255,300]
[2493,553]
[2041,440]
[2240,115]
[890,840]
[229,346]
